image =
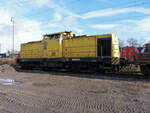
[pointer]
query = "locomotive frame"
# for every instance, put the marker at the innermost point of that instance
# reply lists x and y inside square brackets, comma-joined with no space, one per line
[64,50]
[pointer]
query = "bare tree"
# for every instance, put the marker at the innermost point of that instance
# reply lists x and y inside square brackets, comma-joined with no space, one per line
[142,43]
[121,43]
[133,42]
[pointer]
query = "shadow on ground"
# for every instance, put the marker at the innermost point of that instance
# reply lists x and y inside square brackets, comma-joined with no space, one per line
[91,75]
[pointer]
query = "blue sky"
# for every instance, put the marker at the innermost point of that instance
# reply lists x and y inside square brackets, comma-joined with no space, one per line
[33,18]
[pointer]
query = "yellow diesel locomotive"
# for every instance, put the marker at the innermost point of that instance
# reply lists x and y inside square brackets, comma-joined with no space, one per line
[64,50]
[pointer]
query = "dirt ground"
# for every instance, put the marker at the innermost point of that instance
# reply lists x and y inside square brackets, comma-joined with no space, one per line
[57,92]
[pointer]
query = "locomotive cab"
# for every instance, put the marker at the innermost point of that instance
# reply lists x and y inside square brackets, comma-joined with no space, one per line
[108,48]
[60,35]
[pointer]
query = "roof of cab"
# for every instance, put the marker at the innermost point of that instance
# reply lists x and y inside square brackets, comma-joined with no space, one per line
[57,33]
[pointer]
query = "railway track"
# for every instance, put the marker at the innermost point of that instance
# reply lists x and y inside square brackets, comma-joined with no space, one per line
[130,76]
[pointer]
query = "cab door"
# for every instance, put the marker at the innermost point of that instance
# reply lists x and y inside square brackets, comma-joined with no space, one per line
[104,47]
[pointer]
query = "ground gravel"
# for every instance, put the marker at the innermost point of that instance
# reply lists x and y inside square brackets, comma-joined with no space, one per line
[6,68]
[40,92]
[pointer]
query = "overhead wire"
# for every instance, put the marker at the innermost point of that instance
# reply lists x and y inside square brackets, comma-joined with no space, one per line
[126,4]
[134,3]
[128,17]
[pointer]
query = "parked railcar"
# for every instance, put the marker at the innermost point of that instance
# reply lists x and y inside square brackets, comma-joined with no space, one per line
[65,50]
[128,53]
[148,47]
[143,60]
